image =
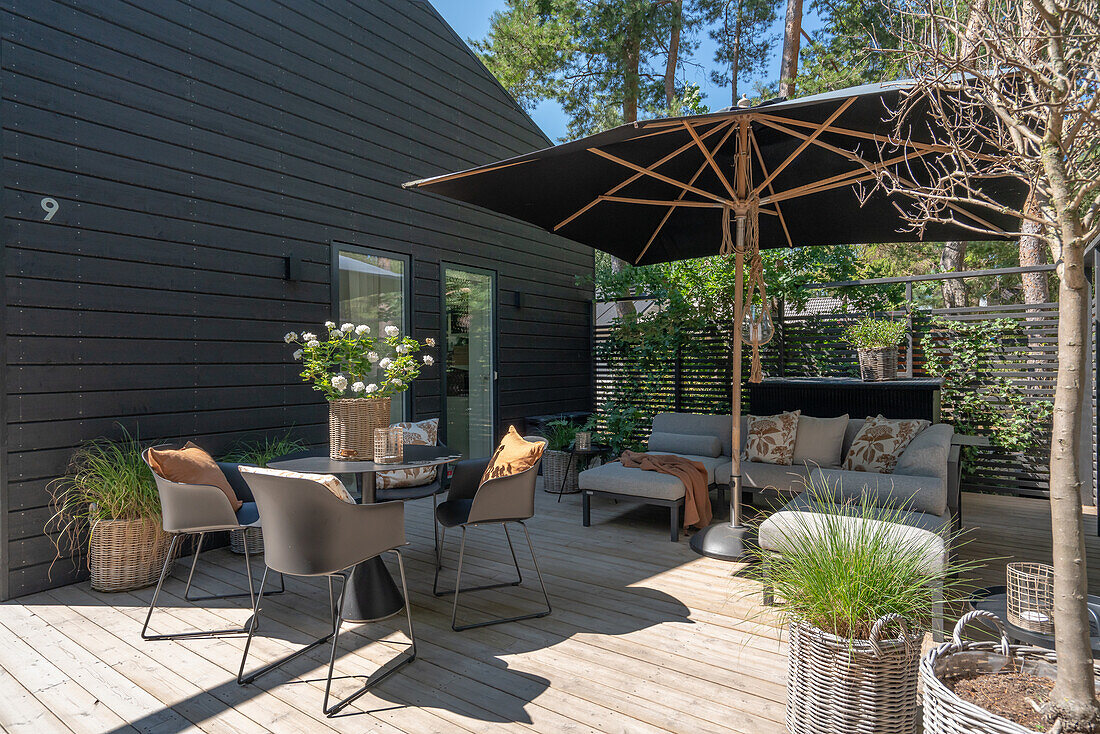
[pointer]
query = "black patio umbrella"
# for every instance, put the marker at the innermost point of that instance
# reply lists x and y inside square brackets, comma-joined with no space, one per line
[787,174]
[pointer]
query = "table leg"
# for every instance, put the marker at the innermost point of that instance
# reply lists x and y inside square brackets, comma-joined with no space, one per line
[568,466]
[372,593]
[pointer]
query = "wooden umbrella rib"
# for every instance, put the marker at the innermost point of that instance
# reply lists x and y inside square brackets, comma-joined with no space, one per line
[804,144]
[710,159]
[764,168]
[664,202]
[463,174]
[660,176]
[636,176]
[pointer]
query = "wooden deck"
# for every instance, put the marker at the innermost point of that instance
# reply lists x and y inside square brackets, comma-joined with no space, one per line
[645,637]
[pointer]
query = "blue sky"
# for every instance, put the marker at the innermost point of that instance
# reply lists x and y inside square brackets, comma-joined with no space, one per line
[470,19]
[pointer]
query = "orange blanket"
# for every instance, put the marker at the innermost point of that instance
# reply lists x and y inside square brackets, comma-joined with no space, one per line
[691,473]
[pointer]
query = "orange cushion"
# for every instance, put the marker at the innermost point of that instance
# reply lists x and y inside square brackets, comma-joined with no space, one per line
[513,456]
[192,465]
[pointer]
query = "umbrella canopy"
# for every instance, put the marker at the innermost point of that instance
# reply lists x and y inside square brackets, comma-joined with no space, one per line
[654,191]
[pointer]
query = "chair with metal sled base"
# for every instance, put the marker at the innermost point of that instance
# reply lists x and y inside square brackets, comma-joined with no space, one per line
[198,509]
[308,531]
[498,501]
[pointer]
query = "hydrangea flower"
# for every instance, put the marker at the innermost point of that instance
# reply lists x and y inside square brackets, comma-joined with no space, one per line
[340,382]
[347,328]
[362,329]
[306,336]
[402,348]
[371,388]
[429,360]
[372,357]
[290,337]
[313,343]
[430,342]
[357,387]
[297,354]
[392,331]
[386,363]
[330,325]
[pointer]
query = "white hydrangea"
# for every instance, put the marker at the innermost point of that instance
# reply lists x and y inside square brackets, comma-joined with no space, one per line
[330,325]
[357,387]
[430,342]
[308,337]
[372,357]
[313,343]
[402,348]
[362,329]
[290,336]
[428,360]
[392,331]
[340,382]
[297,354]
[386,363]
[371,388]
[347,328]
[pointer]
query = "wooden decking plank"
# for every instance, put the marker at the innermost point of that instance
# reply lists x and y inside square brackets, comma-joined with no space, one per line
[22,712]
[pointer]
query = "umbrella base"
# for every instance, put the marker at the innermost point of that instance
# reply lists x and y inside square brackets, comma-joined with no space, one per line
[724,541]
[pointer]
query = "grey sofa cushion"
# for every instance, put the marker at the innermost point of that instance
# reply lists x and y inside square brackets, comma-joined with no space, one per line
[615,477]
[926,455]
[698,424]
[756,475]
[932,523]
[795,523]
[685,443]
[854,424]
[819,440]
[916,493]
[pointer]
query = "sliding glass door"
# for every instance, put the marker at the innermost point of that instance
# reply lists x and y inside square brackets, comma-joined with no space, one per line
[469,294]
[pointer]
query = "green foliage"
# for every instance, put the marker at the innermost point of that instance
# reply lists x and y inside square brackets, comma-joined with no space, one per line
[971,357]
[617,425]
[260,451]
[560,433]
[742,30]
[842,576]
[341,365]
[872,333]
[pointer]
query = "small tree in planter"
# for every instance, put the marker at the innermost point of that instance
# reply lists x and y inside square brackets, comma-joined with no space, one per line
[858,589]
[358,373]
[876,342]
[108,505]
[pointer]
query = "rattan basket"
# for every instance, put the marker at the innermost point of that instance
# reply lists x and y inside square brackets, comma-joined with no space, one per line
[554,465]
[947,713]
[126,554]
[1030,588]
[255,541]
[351,424]
[853,686]
[878,363]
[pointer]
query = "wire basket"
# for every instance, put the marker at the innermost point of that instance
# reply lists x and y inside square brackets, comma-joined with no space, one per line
[351,424]
[255,541]
[1031,596]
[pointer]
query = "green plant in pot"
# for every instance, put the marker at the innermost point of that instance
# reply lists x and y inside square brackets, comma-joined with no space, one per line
[876,342]
[258,452]
[558,472]
[858,589]
[108,506]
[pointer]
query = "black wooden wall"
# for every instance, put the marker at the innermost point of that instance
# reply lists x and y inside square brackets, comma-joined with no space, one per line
[193,145]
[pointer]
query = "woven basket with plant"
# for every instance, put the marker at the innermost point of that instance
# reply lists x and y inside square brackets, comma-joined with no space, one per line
[876,342]
[258,453]
[108,506]
[557,469]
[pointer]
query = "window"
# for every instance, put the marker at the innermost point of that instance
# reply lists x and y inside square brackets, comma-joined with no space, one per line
[372,291]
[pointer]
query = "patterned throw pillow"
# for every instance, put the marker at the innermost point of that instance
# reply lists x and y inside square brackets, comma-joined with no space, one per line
[879,443]
[421,433]
[329,482]
[513,456]
[771,438]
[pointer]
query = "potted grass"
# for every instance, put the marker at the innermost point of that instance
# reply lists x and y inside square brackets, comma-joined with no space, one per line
[858,591]
[876,342]
[258,453]
[559,473]
[108,505]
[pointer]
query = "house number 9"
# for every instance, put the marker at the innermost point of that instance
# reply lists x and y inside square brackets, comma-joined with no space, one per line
[50,206]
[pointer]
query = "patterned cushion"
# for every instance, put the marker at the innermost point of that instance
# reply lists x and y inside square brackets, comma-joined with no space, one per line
[421,433]
[879,443]
[771,438]
[328,481]
[513,456]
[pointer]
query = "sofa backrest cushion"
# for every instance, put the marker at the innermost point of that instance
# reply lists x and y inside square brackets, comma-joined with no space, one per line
[685,443]
[926,455]
[850,433]
[697,424]
[819,441]
[897,491]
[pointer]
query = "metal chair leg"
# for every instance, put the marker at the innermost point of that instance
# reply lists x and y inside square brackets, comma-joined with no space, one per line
[197,633]
[248,568]
[383,673]
[439,567]
[458,586]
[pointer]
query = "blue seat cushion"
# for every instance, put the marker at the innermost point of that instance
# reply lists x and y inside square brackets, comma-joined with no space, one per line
[453,512]
[248,513]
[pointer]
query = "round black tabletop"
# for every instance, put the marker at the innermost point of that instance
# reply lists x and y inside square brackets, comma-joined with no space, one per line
[319,462]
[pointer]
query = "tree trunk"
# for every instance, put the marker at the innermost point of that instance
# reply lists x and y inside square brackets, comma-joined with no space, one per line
[792,38]
[735,56]
[631,55]
[623,308]
[673,52]
[953,259]
[1036,288]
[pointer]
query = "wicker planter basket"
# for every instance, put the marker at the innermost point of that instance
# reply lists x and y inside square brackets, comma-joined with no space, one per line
[255,541]
[126,554]
[878,364]
[554,471]
[945,712]
[351,424]
[853,686]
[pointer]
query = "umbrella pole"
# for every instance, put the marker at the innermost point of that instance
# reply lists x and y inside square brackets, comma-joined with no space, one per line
[728,541]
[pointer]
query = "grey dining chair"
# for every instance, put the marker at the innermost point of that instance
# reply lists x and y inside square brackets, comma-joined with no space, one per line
[434,488]
[198,509]
[496,502]
[308,531]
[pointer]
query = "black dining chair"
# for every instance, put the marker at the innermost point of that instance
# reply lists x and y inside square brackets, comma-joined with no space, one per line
[500,501]
[308,531]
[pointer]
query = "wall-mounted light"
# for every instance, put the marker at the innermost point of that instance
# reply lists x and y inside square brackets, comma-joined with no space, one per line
[293,267]
[518,299]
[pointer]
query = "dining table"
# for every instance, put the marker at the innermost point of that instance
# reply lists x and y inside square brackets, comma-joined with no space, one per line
[372,593]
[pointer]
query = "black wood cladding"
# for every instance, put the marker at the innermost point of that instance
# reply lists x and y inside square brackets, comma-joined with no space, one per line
[192,147]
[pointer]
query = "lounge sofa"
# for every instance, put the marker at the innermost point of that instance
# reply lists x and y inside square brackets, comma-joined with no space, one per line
[925,481]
